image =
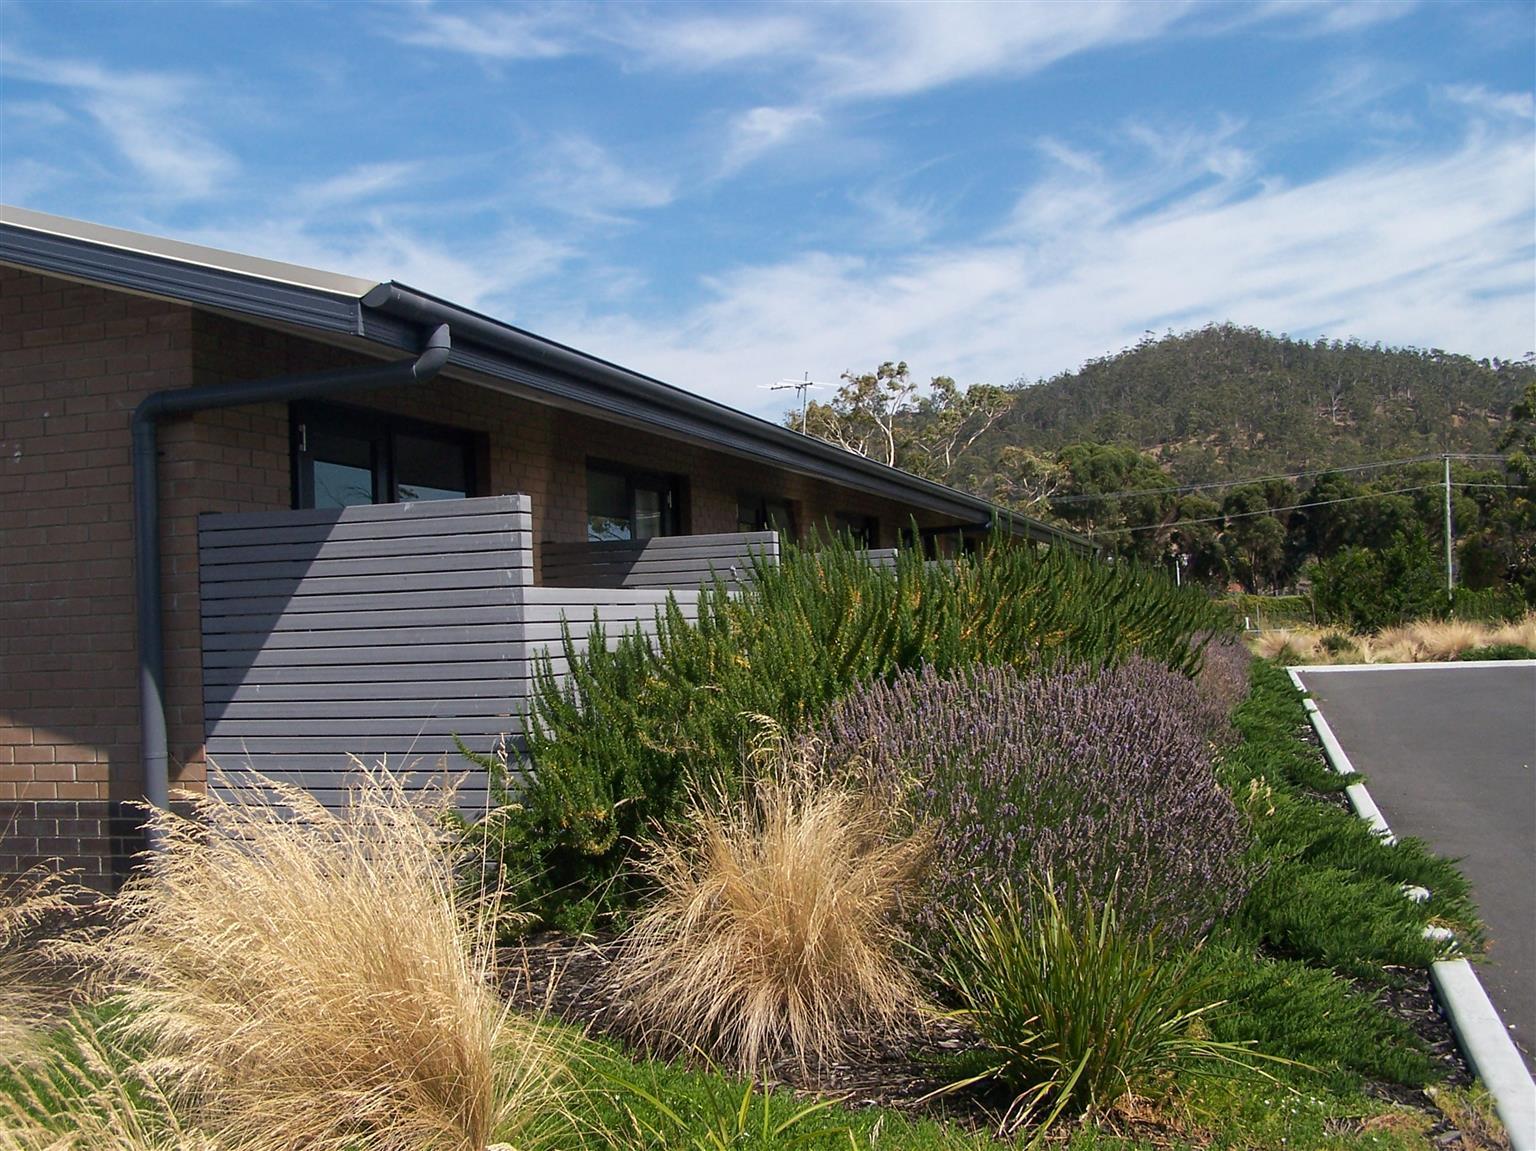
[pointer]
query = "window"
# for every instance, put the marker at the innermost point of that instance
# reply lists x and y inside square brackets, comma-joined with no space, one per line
[865,530]
[756,512]
[344,456]
[623,504]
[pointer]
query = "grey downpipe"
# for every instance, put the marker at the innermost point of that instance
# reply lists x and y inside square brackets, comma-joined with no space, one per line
[154,746]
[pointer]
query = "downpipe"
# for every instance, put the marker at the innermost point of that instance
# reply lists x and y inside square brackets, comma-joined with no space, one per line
[153,739]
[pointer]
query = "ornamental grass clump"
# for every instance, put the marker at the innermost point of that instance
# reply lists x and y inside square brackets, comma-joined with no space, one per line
[1073,1012]
[1102,777]
[775,930]
[298,977]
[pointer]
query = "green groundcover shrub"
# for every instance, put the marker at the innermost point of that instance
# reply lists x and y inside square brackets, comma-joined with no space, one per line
[616,747]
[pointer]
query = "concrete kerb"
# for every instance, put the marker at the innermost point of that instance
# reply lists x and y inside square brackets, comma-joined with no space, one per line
[1474,1019]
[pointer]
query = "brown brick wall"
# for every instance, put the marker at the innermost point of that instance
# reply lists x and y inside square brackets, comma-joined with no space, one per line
[74,362]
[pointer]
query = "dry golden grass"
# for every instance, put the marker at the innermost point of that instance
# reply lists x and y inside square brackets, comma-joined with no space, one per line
[773,933]
[1522,632]
[25,902]
[303,979]
[1425,641]
[88,1097]
[1288,646]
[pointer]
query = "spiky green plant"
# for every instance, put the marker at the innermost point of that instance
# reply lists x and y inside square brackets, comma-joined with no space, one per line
[1073,1013]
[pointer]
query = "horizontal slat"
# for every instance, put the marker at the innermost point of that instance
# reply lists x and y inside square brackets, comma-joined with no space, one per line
[445,561]
[423,691]
[598,597]
[308,603]
[387,709]
[404,654]
[514,503]
[398,749]
[428,633]
[382,583]
[361,549]
[503,614]
[397,673]
[278,532]
[379,731]
[422,766]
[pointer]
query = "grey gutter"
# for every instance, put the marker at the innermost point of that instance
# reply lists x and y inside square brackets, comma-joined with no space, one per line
[146,512]
[586,380]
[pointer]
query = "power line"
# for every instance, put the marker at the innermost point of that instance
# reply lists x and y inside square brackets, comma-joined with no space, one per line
[1266,511]
[1186,488]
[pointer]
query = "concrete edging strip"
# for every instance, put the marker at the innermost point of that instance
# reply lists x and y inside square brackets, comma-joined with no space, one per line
[1312,669]
[1474,1019]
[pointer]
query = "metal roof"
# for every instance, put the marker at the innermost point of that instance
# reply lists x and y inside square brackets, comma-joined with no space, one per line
[392,315]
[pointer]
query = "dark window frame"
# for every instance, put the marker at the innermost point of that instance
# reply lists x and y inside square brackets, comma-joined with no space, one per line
[380,429]
[635,478]
[862,526]
[762,516]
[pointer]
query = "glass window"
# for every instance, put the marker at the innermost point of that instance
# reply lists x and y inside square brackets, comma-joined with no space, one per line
[344,456]
[631,505]
[756,512]
[430,468]
[865,530]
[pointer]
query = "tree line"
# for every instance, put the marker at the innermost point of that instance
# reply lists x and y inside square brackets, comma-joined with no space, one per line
[1148,451]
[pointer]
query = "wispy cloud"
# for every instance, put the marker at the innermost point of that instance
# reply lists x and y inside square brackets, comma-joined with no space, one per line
[148,117]
[576,175]
[1519,105]
[532,32]
[1434,250]
[760,130]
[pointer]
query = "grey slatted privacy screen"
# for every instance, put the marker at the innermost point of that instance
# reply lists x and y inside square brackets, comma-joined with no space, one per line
[662,562]
[382,632]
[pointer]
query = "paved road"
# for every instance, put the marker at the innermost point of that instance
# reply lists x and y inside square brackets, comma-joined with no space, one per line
[1449,755]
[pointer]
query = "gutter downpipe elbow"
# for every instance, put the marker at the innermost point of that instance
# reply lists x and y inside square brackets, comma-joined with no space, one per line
[153,741]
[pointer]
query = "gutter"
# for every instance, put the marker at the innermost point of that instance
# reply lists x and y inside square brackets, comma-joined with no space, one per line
[154,751]
[780,444]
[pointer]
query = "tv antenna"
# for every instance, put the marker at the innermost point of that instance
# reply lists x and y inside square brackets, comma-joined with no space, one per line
[801,387]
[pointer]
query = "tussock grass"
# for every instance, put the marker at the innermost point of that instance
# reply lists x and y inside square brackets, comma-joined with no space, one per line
[295,977]
[1424,641]
[26,901]
[774,930]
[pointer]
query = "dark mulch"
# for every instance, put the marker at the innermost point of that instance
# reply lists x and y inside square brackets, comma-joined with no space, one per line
[566,975]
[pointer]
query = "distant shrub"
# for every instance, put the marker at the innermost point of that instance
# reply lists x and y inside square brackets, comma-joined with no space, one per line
[1100,777]
[1336,645]
[775,933]
[613,743]
[1221,685]
[1498,651]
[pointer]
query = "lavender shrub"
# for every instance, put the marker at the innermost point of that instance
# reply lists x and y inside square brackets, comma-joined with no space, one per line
[1101,778]
[1220,685]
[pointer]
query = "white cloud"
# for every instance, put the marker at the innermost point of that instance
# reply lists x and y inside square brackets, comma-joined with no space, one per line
[359,183]
[578,176]
[499,33]
[148,117]
[1519,105]
[377,246]
[760,130]
[1432,251]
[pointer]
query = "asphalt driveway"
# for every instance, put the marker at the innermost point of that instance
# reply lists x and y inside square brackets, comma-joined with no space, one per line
[1449,755]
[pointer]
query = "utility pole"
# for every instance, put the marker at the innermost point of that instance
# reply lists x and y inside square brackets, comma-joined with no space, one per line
[1450,574]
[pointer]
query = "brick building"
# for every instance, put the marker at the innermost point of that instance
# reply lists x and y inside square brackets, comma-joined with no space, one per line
[291,388]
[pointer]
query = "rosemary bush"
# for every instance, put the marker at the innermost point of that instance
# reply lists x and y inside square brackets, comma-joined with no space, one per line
[613,745]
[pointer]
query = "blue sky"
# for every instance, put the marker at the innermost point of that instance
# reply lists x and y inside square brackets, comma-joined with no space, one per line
[726,195]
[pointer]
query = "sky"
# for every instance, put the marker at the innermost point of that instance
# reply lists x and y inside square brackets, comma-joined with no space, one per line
[726,196]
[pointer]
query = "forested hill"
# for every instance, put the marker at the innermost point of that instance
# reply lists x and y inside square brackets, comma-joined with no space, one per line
[1225,402]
